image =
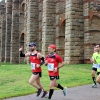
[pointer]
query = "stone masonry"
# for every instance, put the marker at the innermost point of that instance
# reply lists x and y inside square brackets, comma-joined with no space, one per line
[8,30]
[72,25]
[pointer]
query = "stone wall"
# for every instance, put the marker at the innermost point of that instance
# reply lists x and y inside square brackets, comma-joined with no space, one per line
[72,25]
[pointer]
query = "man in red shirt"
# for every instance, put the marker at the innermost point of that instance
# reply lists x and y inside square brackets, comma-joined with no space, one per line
[52,60]
[35,60]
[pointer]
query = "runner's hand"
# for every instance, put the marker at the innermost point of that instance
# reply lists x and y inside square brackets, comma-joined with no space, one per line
[20,49]
[55,69]
[46,62]
[37,65]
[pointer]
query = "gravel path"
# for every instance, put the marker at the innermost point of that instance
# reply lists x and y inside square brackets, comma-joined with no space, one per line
[76,93]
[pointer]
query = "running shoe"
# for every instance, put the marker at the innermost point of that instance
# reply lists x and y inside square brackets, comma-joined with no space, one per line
[94,86]
[65,91]
[39,92]
[44,94]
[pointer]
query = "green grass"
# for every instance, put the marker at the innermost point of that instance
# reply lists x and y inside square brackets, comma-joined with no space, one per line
[14,78]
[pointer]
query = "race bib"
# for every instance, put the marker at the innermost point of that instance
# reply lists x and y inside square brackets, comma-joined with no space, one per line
[50,66]
[33,66]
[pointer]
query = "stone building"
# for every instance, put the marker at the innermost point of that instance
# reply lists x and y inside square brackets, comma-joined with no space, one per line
[73,25]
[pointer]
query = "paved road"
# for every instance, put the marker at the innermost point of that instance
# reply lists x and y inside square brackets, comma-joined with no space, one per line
[76,93]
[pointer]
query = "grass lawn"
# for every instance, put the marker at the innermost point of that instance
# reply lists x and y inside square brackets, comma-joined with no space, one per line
[14,78]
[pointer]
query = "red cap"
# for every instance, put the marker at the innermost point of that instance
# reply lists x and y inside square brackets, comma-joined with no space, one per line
[52,46]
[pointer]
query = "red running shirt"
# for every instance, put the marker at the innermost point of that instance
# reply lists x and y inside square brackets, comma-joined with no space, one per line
[53,62]
[34,61]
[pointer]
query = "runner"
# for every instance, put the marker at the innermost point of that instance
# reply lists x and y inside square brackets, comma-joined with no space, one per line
[96,59]
[52,61]
[36,60]
[94,70]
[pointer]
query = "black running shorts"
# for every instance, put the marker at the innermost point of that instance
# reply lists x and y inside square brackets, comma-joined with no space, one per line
[40,74]
[53,77]
[93,68]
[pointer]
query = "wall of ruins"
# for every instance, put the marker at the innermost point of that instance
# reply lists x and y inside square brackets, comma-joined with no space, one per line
[91,27]
[73,25]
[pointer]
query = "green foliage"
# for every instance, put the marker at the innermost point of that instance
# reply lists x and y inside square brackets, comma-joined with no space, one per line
[14,78]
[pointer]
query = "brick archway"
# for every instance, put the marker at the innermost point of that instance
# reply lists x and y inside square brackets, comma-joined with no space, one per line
[23,7]
[61,49]
[22,44]
[62,20]
[22,40]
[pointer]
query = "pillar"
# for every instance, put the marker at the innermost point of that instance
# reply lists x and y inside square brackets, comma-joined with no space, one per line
[74,38]
[48,24]
[15,33]
[8,30]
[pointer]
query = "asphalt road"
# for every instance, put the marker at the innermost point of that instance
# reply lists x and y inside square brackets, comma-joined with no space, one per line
[76,93]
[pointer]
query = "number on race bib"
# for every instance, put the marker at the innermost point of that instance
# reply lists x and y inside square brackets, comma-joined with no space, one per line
[33,66]
[50,66]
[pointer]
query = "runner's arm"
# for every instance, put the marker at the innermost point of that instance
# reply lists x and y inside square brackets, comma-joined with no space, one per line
[42,59]
[22,54]
[61,65]
[61,62]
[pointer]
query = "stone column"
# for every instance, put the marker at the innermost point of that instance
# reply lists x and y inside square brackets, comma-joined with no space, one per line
[32,22]
[23,20]
[40,25]
[48,24]
[21,28]
[8,30]
[0,33]
[74,31]
[15,32]
[86,32]
[3,32]
[25,27]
